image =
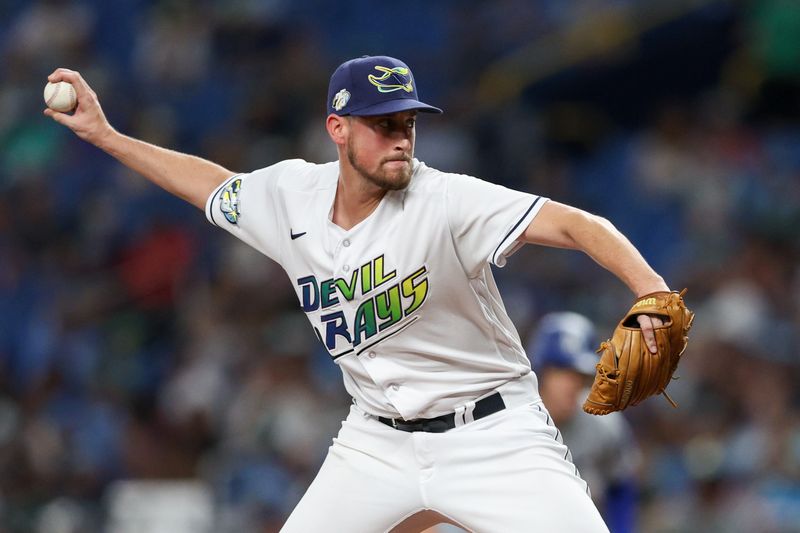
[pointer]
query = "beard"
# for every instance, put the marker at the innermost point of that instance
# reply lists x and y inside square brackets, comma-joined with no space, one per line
[390,180]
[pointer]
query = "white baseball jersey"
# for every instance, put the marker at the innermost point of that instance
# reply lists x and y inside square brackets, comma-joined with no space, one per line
[405,301]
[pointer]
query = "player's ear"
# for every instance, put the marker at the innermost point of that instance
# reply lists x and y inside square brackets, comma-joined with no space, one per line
[337,127]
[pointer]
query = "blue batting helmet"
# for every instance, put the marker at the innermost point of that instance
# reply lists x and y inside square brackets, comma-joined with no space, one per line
[564,340]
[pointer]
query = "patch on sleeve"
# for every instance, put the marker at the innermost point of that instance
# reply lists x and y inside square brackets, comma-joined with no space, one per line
[229,201]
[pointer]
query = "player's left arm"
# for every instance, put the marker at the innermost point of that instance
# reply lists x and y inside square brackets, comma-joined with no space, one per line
[563,226]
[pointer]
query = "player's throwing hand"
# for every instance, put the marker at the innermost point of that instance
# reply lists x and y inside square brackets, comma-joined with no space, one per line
[88,122]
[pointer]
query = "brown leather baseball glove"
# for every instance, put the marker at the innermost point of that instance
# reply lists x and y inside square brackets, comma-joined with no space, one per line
[628,372]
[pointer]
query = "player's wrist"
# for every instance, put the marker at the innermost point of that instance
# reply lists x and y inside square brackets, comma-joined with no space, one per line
[655,284]
[106,138]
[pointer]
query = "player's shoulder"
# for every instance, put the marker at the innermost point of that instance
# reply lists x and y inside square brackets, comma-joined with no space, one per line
[431,180]
[298,175]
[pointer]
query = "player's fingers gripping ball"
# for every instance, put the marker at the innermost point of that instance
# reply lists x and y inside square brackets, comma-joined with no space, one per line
[60,96]
[628,372]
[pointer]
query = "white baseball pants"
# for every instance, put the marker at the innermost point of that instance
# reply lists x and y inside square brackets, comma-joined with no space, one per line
[508,472]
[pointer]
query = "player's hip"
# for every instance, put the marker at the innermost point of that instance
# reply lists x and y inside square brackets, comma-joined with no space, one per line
[521,438]
[513,407]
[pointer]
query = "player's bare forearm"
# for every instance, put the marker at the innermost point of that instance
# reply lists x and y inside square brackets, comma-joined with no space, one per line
[185,176]
[563,226]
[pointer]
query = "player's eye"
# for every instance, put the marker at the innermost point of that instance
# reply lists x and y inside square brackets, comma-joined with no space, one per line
[410,123]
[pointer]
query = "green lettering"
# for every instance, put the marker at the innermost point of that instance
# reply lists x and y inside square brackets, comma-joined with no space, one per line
[380,277]
[347,290]
[389,306]
[366,278]
[418,290]
[365,322]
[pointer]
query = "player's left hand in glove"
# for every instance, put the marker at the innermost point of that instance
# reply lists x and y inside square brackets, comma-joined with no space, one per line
[628,372]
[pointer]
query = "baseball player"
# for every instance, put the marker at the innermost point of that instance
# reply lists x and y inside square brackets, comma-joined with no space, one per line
[391,261]
[602,447]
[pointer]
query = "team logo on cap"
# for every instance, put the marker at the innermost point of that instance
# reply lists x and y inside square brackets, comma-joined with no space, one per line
[399,78]
[340,99]
[229,201]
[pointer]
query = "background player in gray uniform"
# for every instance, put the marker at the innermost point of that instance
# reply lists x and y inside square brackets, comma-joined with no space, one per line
[562,349]
[391,262]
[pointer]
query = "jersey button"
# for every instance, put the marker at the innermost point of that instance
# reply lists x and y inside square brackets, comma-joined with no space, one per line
[371,355]
[346,243]
[346,268]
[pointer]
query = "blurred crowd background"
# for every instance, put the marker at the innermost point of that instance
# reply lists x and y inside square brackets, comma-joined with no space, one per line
[138,342]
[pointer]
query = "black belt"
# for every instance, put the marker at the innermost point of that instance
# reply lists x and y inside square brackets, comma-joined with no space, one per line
[483,407]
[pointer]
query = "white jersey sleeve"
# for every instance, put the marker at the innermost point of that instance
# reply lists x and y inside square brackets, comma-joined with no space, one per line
[247,206]
[487,219]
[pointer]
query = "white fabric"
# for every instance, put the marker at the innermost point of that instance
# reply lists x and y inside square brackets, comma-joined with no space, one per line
[405,301]
[507,472]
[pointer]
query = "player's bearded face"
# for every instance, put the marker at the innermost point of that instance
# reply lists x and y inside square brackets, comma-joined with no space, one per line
[380,149]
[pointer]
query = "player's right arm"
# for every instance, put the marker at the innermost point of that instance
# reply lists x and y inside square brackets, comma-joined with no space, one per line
[183,175]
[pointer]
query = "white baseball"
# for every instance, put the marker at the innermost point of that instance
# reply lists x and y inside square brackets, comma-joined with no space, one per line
[60,96]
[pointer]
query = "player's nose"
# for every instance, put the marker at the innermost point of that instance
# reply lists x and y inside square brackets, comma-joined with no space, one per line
[403,142]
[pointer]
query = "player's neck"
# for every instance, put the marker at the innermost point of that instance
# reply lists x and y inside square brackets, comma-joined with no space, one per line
[356,199]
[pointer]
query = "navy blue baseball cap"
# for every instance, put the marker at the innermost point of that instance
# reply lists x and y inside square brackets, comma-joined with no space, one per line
[564,340]
[374,85]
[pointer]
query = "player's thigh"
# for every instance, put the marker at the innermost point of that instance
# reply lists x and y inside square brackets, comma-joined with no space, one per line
[364,485]
[510,473]
[545,501]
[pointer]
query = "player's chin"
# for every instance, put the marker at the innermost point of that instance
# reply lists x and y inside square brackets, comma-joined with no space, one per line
[396,175]
[391,181]
[397,183]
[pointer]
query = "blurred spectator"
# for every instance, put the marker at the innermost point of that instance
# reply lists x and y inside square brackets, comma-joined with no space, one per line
[563,355]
